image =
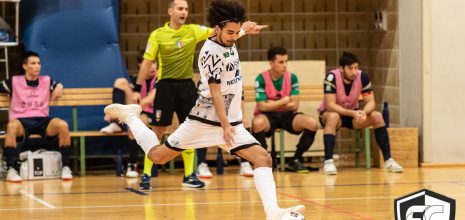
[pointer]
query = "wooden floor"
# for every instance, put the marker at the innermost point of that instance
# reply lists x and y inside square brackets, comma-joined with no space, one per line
[352,194]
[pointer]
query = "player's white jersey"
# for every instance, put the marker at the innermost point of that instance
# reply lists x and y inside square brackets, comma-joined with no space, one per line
[218,64]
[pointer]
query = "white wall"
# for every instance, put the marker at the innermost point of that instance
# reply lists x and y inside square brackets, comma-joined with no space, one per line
[445,61]
[410,65]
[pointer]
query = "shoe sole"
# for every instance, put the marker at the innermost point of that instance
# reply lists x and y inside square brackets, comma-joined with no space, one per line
[302,171]
[395,171]
[66,179]
[246,175]
[205,177]
[131,177]
[298,171]
[192,186]
[13,181]
[331,173]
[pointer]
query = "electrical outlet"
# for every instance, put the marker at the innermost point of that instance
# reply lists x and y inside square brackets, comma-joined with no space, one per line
[380,20]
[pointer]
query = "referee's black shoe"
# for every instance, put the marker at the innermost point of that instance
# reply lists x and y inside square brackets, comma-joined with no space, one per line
[297,166]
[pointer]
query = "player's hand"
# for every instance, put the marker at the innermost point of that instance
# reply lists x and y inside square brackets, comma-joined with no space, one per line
[360,116]
[57,92]
[228,135]
[136,97]
[251,27]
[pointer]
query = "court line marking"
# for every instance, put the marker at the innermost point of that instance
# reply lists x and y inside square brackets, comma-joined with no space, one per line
[338,210]
[206,203]
[167,189]
[37,199]
[143,205]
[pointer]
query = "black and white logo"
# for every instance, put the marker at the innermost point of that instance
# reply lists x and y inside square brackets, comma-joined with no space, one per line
[38,167]
[424,204]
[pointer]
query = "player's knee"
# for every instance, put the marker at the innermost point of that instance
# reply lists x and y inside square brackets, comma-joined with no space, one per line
[263,159]
[332,118]
[310,123]
[63,126]
[377,118]
[12,126]
[157,158]
[258,123]
[121,83]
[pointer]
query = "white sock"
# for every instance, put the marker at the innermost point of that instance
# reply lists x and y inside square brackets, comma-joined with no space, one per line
[264,182]
[145,137]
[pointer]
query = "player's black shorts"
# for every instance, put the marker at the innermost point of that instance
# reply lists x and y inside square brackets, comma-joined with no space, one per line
[173,96]
[35,125]
[346,121]
[281,120]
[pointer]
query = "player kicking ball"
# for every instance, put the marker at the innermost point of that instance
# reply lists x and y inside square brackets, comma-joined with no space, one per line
[216,119]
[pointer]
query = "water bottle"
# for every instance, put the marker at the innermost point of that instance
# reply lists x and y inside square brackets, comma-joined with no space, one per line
[219,162]
[386,114]
[119,163]
[154,171]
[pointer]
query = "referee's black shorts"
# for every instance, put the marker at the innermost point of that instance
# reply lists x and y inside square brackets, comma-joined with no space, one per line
[173,96]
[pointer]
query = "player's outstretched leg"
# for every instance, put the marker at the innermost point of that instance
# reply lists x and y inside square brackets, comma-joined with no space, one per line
[265,184]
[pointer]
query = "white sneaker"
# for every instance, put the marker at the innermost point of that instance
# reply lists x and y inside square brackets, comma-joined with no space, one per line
[131,172]
[203,171]
[111,128]
[392,166]
[330,168]
[246,169]
[280,213]
[13,176]
[121,112]
[66,173]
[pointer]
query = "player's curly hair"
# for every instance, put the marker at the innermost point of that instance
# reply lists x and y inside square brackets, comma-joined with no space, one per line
[222,11]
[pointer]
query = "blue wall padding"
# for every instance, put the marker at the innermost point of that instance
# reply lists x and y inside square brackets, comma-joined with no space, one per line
[78,41]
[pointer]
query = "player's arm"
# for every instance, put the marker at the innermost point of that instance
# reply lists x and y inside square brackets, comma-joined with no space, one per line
[367,94]
[250,27]
[273,105]
[213,72]
[149,57]
[56,88]
[146,101]
[220,109]
[293,105]
[334,107]
[263,104]
[141,76]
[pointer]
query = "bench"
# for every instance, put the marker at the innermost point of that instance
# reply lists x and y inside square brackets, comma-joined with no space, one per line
[75,97]
[311,75]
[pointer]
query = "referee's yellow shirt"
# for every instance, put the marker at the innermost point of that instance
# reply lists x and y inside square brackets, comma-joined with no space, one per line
[175,49]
